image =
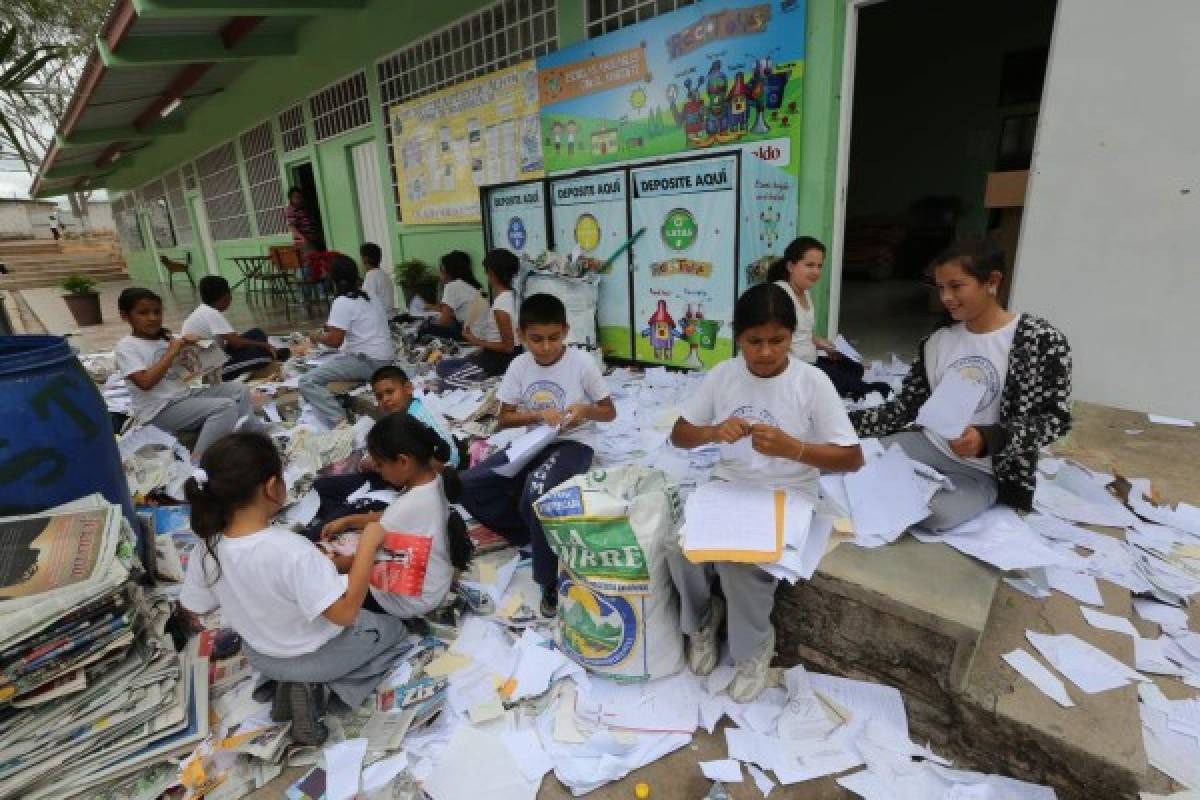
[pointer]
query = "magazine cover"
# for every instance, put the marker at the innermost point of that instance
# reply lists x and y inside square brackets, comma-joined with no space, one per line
[47,552]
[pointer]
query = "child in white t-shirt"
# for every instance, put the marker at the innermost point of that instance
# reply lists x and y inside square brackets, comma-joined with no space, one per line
[495,332]
[460,293]
[378,285]
[426,542]
[148,358]
[246,351]
[549,384]
[359,329]
[301,623]
[796,426]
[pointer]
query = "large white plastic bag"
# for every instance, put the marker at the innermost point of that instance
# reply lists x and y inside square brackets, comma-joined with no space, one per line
[618,614]
[579,295]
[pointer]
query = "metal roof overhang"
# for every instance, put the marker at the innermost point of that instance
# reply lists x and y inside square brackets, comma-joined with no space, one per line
[154,63]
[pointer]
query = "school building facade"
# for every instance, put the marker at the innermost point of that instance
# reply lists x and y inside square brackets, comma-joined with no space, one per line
[197,117]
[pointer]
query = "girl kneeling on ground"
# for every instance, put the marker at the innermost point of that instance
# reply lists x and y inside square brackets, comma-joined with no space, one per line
[301,623]
[1025,365]
[792,416]
[410,456]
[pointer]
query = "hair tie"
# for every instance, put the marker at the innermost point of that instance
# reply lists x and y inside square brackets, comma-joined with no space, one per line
[200,477]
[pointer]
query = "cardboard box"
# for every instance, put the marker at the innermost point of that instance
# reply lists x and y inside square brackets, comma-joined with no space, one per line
[1006,189]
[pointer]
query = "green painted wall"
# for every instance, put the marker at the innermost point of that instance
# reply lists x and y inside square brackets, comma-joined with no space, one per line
[337,44]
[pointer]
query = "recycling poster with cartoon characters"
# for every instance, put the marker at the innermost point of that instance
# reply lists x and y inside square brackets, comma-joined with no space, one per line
[517,218]
[701,77]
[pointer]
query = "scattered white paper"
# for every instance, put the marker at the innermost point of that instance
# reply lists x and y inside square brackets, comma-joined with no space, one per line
[761,780]
[381,773]
[1088,667]
[886,497]
[524,448]
[951,406]
[272,411]
[343,764]
[536,665]
[490,765]
[727,770]
[1032,670]
[1080,585]
[303,510]
[1108,622]
[526,750]
[1001,538]
[731,516]
[845,348]
[1168,617]
[1159,419]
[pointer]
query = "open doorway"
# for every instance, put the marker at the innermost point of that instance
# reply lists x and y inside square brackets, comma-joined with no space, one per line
[946,94]
[303,179]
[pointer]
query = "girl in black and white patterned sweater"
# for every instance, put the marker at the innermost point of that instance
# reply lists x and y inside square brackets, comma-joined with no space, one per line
[1024,364]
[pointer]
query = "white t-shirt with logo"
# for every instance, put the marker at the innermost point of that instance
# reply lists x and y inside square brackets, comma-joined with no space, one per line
[459,295]
[422,511]
[366,328]
[382,291]
[800,401]
[272,587]
[803,347]
[486,328]
[206,322]
[134,354]
[574,378]
[982,357]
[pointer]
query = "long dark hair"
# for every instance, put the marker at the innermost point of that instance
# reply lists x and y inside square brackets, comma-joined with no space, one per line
[458,268]
[236,466]
[402,434]
[503,264]
[979,258]
[344,274]
[795,251]
[760,304]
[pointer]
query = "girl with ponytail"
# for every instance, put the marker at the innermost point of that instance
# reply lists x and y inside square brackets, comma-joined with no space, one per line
[424,543]
[300,622]
[359,329]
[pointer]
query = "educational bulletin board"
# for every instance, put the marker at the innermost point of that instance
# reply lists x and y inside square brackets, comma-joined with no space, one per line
[450,143]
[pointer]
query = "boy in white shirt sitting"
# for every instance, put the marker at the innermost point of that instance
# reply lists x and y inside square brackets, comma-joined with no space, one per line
[247,351]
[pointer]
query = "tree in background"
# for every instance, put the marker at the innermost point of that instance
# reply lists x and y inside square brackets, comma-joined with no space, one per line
[43,50]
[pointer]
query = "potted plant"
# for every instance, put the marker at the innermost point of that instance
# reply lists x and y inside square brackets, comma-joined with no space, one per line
[417,278]
[83,300]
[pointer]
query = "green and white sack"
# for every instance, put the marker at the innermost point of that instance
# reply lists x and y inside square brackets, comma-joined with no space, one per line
[618,615]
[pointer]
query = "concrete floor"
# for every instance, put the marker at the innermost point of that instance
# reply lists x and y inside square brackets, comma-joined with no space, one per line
[47,305]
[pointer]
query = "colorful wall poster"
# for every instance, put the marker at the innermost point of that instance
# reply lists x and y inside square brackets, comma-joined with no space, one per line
[450,143]
[704,76]
[769,210]
[685,266]
[588,216]
[517,218]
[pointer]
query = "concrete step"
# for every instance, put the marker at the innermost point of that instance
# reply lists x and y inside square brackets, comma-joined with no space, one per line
[38,281]
[933,623]
[65,259]
[66,269]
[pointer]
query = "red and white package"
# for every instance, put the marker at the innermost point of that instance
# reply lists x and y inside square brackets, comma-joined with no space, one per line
[400,563]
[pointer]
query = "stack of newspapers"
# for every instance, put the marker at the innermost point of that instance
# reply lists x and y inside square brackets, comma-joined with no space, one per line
[91,687]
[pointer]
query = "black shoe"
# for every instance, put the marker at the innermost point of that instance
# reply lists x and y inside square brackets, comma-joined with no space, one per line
[307,706]
[265,692]
[282,354]
[549,606]
[281,707]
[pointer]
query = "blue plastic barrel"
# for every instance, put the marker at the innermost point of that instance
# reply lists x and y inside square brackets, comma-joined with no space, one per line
[56,438]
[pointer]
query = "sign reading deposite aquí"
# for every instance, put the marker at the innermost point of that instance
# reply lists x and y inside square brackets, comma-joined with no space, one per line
[690,80]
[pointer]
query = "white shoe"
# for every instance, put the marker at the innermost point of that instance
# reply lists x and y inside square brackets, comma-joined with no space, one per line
[702,647]
[751,676]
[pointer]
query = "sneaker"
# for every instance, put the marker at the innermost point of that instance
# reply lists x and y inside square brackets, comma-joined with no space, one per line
[265,692]
[305,701]
[281,707]
[751,676]
[703,649]
[549,606]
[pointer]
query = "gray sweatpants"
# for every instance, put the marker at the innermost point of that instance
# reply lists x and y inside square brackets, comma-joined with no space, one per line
[215,410]
[974,490]
[351,664]
[749,597]
[342,367]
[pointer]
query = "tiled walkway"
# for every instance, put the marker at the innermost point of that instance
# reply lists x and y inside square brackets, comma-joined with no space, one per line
[48,306]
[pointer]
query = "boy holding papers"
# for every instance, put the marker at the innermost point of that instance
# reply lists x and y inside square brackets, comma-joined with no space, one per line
[552,385]
[986,441]
[779,421]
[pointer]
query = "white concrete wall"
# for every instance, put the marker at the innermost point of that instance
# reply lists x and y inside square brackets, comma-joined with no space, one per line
[14,221]
[1110,243]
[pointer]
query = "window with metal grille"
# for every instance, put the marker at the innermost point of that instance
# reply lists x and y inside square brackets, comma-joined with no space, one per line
[605,16]
[292,132]
[154,200]
[221,186]
[262,173]
[178,207]
[125,218]
[341,107]
[501,35]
